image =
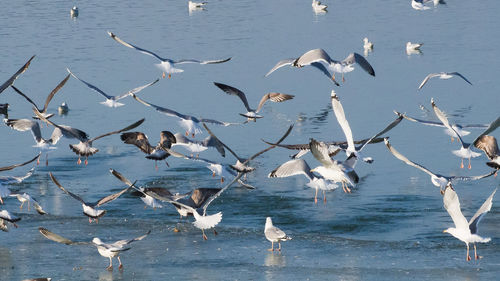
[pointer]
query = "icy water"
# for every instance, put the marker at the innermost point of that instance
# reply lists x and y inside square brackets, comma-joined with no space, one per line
[389,228]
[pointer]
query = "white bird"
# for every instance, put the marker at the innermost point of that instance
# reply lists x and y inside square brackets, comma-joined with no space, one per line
[167,65]
[63,109]
[465,149]
[112,101]
[108,250]
[274,234]
[90,208]
[367,45]
[489,145]
[419,5]
[190,123]
[300,167]
[6,216]
[319,7]
[192,6]
[74,12]
[413,48]
[6,180]
[252,114]
[463,230]
[13,78]
[141,141]
[195,146]
[442,75]
[43,111]
[25,197]
[437,180]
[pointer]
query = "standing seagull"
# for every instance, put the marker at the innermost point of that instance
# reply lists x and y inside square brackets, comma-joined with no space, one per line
[25,197]
[442,75]
[437,180]
[319,7]
[465,149]
[157,152]
[13,78]
[463,230]
[489,145]
[89,209]
[167,65]
[108,250]
[251,114]
[43,111]
[112,101]
[274,234]
[413,48]
[317,56]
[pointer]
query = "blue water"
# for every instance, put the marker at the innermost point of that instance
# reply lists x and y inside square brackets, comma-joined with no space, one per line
[390,227]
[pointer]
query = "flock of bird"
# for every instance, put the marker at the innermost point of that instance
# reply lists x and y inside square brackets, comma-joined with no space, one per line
[325,177]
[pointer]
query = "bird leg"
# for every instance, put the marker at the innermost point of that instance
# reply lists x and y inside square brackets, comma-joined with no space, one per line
[187,133]
[110,267]
[469,165]
[452,139]
[346,188]
[167,163]
[324,197]
[204,236]
[213,174]
[462,164]
[120,267]
[333,76]
[169,76]
[316,197]
[38,161]
[21,207]
[1,200]
[46,159]
[215,232]
[475,253]
[90,220]
[79,161]
[272,247]
[192,135]
[279,244]
[86,160]
[222,179]
[15,225]
[468,257]
[343,80]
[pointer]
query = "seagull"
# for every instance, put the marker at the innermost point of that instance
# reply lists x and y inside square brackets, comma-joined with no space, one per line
[13,78]
[318,56]
[202,220]
[63,109]
[196,5]
[25,197]
[333,170]
[251,114]
[459,129]
[5,216]
[167,65]
[89,209]
[442,75]
[7,168]
[274,234]
[300,167]
[157,152]
[84,147]
[463,230]
[489,145]
[190,123]
[465,149]
[419,5]
[319,7]
[108,250]
[413,48]
[74,12]
[367,46]
[45,145]
[112,101]
[5,180]
[437,180]
[195,146]
[43,111]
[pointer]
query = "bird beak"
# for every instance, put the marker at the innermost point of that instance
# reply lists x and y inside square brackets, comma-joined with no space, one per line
[444,231]
[312,170]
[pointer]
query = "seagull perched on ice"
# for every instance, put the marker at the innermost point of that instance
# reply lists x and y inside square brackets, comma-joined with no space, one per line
[108,250]
[167,65]
[274,234]
[251,114]
[442,75]
[463,230]
[13,78]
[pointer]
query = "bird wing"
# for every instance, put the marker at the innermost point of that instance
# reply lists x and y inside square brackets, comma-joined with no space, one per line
[452,205]
[56,89]
[135,90]
[339,113]
[442,117]
[129,127]
[320,151]
[24,96]
[112,197]
[292,168]
[122,243]
[359,59]
[461,76]
[489,145]
[138,139]
[387,129]
[406,160]
[425,122]
[24,125]
[13,78]
[65,191]
[270,147]
[280,64]
[90,85]
[493,126]
[213,197]
[134,47]
[429,76]
[486,207]
[275,233]
[274,97]
[316,55]
[58,238]
[227,147]
[19,165]
[67,131]
[471,178]
[321,67]
[234,92]
[163,110]
[213,142]
[201,62]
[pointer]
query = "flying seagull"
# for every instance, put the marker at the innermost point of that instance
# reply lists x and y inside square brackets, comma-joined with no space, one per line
[25,197]
[13,78]
[437,180]
[442,75]
[195,146]
[90,208]
[463,230]
[251,114]
[112,101]
[43,110]
[167,65]
[157,152]
[489,145]
[274,234]
[6,216]
[5,180]
[108,250]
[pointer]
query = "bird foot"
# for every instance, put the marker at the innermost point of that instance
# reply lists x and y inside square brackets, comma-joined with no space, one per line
[478,257]
[86,162]
[109,268]
[120,267]
[15,225]
[176,230]
[324,200]
[270,250]
[222,180]
[169,76]
[468,258]
[187,133]
[192,135]
[441,191]
[90,220]
[315,200]
[470,167]
[38,161]
[205,237]
[79,161]
[215,232]
[213,175]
